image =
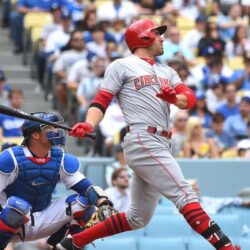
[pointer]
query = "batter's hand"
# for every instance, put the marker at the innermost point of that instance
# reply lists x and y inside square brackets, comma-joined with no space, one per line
[168,94]
[81,130]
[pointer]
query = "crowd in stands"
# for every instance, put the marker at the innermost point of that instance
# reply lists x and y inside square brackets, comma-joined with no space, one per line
[207,43]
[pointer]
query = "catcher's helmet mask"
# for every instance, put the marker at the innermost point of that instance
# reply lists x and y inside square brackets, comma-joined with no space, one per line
[55,136]
[140,35]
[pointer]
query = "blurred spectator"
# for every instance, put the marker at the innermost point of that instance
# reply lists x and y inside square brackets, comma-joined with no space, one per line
[6,9]
[150,7]
[239,43]
[116,9]
[89,21]
[223,139]
[172,47]
[111,48]
[200,109]
[197,145]
[117,31]
[213,205]
[192,38]
[179,132]
[97,47]
[211,40]
[231,107]
[11,126]
[227,23]
[175,62]
[186,77]
[216,96]
[65,61]
[4,89]
[241,77]
[213,71]
[16,18]
[112,124]
[59,38]
[76,9]
[189,8]
[236,124]
[243,148]
[40,55]
[119,192]
[89,85]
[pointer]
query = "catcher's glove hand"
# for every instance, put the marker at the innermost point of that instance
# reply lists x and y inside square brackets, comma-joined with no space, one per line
[104,211]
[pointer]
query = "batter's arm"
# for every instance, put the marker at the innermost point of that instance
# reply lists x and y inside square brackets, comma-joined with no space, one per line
[185,97]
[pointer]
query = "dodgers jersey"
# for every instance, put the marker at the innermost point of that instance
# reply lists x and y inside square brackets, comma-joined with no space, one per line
[136,82]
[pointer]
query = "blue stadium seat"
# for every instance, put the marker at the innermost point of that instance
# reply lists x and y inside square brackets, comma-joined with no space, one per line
[113,244]
[134,233]
[198,244]
[229,223]
[168,226]
[164,201]
[245,244]
[161,244]
[164,210]
[244,214]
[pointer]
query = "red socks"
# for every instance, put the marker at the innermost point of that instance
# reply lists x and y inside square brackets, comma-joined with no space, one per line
[198,219]
[115,224]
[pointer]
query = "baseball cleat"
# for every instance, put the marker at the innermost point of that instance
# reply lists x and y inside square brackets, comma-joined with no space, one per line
[67,244]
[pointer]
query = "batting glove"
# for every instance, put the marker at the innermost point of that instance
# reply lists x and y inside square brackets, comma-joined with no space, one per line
[80,130]
[168,94]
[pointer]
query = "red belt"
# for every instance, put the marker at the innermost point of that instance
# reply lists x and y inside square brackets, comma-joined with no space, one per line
[153,130]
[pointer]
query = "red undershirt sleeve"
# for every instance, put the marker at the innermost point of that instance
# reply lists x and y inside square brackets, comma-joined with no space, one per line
[102,100]
[182,89]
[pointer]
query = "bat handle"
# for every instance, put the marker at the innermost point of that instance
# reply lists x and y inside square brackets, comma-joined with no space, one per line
[91,135]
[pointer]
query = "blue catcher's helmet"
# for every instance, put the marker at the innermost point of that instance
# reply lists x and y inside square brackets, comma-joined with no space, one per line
[56,136]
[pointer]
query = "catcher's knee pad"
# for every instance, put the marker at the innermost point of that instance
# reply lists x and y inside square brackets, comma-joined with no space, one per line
[80,208]
[12,217]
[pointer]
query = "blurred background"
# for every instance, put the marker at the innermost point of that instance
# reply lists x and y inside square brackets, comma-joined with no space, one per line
[53,55]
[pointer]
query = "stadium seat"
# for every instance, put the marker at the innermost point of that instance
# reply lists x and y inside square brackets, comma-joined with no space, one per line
[113,244]
[34,19]
[131,234]
[168,226]
[163,210]
[164,201]
[161,244]
[244,243]
[198,244]
[185,23]
[236,63]
[229,223]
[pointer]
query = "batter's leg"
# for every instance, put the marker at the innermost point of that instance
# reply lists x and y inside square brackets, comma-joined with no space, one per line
[143,203]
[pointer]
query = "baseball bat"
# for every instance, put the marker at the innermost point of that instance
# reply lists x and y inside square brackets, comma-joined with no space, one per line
[21,114]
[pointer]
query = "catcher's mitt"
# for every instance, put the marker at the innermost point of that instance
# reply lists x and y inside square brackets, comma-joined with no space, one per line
[103,212]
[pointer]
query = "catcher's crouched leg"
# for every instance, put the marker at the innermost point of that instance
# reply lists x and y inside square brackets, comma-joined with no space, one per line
[80,211]
[12,217]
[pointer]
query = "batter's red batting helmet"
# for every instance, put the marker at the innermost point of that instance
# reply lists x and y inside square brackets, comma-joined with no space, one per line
[140,35]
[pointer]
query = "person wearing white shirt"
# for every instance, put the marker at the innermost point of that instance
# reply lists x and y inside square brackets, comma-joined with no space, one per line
[119,193]
[116,9]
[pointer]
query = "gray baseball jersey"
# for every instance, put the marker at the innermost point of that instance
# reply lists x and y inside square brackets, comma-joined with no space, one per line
[135,82]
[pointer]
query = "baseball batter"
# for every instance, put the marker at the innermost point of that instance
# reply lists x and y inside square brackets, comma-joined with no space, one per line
[28,176]
[145,90]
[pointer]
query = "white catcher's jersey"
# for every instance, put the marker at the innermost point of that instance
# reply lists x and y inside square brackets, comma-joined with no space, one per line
[136,82]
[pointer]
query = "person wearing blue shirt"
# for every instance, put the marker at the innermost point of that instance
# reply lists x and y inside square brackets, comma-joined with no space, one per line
[223,139]
[236,125]
[231,107]
[11,126]
[16,18]
[241,77]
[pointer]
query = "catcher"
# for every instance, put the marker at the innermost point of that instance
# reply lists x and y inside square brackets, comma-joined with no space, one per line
[28,176]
